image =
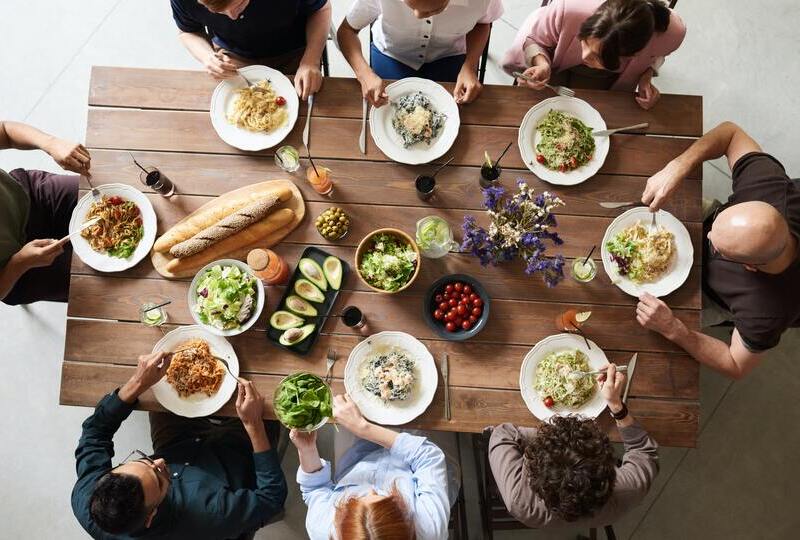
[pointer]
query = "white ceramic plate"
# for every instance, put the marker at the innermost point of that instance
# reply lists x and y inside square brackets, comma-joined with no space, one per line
[257,309]
[392,413]
[224,97]
[198,404]
[527,373]
[390,143]
[529,137]
[101,261]
[681,263]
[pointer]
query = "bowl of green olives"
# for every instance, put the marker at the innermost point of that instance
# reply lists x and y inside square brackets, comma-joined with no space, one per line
[333,223]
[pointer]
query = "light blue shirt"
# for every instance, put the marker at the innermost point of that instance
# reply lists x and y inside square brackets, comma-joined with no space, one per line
[414,464]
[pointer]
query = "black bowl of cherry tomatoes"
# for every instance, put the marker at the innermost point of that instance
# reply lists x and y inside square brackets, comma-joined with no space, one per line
[456,307]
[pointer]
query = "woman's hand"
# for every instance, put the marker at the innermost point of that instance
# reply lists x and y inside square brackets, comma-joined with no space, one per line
[70,156]
[467,85]
[303,440]
[373,89]
[307,80]
[647,94]
[539,74]
[346,413]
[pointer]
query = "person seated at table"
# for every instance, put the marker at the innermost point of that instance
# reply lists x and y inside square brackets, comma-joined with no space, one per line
[565,471]
[751,267]
[441,40]
[387,484]
[35,209]
[288,35]
[614,44]
[208,478]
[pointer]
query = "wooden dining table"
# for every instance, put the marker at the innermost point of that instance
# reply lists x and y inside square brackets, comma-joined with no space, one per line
[162,117]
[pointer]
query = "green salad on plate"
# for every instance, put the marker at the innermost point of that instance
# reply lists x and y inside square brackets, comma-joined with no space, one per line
[303,401]
[226,297]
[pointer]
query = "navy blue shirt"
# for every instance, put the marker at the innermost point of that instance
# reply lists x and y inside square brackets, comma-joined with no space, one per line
[266,28]
[218,490]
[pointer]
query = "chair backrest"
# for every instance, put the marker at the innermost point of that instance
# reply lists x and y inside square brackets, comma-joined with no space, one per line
[671,3]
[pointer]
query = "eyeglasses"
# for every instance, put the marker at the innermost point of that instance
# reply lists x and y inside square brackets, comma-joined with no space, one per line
[159,471]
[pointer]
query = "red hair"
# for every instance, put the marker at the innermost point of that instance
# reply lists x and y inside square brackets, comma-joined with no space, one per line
[384,519]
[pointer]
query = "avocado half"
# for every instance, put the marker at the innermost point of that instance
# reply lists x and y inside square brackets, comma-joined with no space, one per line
[305,289]
[332,267]
[297,305]
[283,320]
[311,270]
[293,336]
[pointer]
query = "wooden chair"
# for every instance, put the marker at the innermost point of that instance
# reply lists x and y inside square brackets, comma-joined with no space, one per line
[494,514]
[458,514]
[671,3]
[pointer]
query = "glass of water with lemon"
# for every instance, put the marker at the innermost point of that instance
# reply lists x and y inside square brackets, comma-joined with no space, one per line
[584,270]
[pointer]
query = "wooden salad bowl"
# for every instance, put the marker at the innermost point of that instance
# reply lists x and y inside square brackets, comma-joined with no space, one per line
[366,243]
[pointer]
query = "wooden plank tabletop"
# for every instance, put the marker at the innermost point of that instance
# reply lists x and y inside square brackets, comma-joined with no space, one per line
[161,115]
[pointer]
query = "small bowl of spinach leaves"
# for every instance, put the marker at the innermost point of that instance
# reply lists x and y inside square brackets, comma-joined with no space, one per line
[303,401]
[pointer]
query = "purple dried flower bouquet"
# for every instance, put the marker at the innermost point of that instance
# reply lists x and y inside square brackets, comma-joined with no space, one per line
[520,225]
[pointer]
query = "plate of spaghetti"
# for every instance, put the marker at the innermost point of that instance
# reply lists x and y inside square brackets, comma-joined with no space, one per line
[196,383]
[640,258]
[125,230]
[555,140]
[255,117]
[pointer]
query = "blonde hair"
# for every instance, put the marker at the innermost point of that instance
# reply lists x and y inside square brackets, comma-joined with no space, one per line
[384,519]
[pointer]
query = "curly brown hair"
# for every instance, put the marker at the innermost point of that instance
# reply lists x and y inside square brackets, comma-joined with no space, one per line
[570,464]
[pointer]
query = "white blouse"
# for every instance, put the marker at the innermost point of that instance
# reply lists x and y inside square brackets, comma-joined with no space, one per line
[399,34]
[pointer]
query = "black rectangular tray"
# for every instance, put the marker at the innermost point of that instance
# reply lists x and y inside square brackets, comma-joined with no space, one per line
[323,309]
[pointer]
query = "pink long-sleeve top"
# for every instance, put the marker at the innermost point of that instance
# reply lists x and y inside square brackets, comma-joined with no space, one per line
[553,30]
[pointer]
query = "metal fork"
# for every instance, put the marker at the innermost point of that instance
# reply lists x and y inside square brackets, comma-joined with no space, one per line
[560,90]
[331,360]
[95,191]
[653,225]
[578,374]
[225,363]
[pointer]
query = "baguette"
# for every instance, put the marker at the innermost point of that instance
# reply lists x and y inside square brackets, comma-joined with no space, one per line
[224,228]
[219,209]
[243,238]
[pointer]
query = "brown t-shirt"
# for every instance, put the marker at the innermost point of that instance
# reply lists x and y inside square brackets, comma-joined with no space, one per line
[763,305]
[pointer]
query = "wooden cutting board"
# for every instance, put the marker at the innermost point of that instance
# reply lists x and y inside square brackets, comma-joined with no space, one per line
[295,203]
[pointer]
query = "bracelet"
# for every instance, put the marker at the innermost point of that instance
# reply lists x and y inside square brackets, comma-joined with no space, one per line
[621,414]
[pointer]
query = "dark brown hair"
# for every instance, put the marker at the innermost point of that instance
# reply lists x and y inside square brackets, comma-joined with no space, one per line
[570,464]
[384,519]
[624,27]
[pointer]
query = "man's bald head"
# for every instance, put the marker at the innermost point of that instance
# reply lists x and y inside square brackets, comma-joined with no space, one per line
[751,232]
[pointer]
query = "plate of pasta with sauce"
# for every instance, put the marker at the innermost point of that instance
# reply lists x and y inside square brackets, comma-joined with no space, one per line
[196,382]
[123,232]
[639,257]
[258,116]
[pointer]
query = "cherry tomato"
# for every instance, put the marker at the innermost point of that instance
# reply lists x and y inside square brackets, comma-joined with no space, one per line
[446,296]
[477,302]
[451,327]
[562,167]
[540,158]
[467,289]
[449,288]
[466,325]
[462,310]
[452,302]
[438,315]
[458,321]
[473,319]
[438,298]
[280,101]
[477,311]
[463,302]
[443,306]
[472,297]
[459,287]
[548,402]
[448,316]
[573,162]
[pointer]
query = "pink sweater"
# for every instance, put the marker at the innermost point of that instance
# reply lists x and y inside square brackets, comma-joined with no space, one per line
[553,31]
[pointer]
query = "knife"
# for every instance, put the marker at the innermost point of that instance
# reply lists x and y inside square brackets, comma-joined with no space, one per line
[308,120]
[446,377]
[613,205]
[362,140]
[631,368]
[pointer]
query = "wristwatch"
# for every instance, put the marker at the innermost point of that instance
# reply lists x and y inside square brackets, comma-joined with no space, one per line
[623,412]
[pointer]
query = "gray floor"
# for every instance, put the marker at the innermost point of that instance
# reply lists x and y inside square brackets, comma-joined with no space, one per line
[741,482]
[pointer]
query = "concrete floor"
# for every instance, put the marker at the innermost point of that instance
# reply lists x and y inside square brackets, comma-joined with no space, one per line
[741,482]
